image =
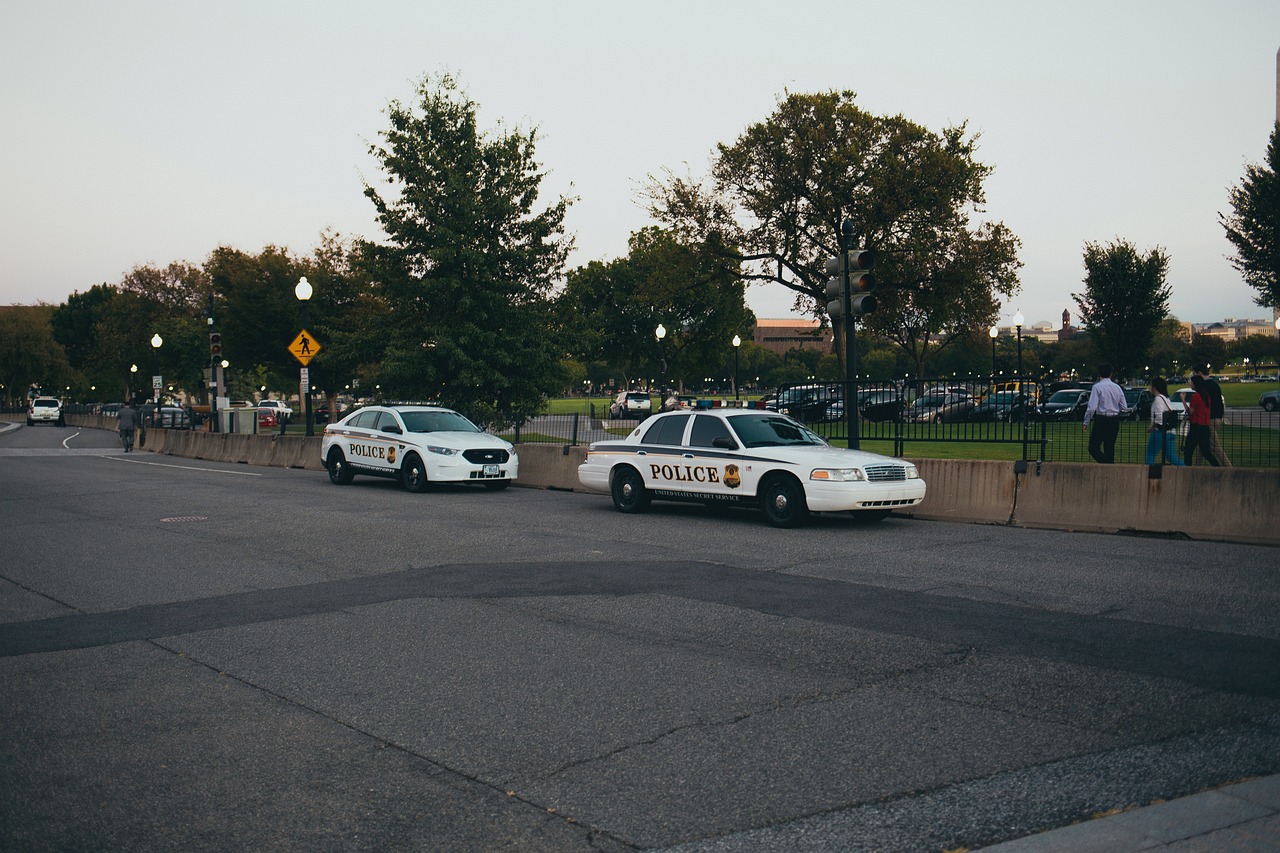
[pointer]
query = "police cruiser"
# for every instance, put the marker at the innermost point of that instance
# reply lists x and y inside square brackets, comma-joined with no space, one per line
[749,457]
[416,445]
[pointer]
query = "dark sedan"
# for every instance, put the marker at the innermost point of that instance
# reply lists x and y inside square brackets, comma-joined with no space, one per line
[1066,405]
[1006,406]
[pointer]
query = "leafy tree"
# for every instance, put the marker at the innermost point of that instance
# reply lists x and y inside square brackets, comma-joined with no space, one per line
[469,265]
[29,354]
[611,310]
[75,325]
[1124,301]
[1259,349]
[257,312]
[779,194]
[1253,227]
[1170,346]
[1208,350]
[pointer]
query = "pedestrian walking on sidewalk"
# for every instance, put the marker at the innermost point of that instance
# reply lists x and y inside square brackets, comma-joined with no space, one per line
[128,423]
[1161,434]
[1198,411]
[1106,405]
[1217,412]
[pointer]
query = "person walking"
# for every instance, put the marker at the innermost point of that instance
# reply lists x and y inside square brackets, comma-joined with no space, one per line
[1160,436]
[1217,411]
[128,423]
[1106,405]
[1198,414]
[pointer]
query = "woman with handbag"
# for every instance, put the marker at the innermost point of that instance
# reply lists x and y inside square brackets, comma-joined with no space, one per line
[1198,414]
[1162,427]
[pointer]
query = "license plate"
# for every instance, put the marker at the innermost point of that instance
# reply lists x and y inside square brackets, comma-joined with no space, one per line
[492,471]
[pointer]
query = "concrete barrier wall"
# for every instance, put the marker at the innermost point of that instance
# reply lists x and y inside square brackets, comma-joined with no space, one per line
[1229,504]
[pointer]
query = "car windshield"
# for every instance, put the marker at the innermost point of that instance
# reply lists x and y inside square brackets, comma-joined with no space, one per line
[771,431]
[1065,397]
[437,422]
[929,402]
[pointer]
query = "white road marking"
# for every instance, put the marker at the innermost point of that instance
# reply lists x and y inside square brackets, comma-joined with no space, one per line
[183,467]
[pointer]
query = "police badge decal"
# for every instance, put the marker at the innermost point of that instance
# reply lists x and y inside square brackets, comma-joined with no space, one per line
[391,455]
[731,477]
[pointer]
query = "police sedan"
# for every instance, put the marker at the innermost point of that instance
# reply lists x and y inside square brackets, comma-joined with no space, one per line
[755,458]
[416,445]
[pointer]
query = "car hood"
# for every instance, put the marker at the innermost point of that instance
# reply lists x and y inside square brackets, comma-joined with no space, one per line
[460,440]
[823,457]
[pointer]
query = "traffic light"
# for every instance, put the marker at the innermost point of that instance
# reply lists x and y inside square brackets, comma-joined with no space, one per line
[215,343]
[861,283]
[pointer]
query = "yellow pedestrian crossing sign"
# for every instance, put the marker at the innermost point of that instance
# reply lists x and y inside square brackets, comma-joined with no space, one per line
[304,347]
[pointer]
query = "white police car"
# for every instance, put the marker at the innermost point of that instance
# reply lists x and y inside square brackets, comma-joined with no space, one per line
[416,445]
[750,457]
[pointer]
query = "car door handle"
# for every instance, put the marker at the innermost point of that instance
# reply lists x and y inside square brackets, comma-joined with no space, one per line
[688,455]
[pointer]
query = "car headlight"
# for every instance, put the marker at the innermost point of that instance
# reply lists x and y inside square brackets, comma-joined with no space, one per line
[837,474]
[912,473]
[443,451]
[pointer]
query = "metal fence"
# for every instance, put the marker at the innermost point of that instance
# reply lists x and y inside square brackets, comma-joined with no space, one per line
[946,418]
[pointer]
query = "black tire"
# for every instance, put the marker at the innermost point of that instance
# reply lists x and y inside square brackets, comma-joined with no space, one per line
[496,485]
[413,474]
[1270,406]
[627,488]
[782,499]
[870,516]
[340,473]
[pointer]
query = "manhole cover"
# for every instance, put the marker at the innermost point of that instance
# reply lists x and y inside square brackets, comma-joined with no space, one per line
[179,518]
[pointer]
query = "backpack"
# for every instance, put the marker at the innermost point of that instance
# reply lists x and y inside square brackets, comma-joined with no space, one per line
[1170,419]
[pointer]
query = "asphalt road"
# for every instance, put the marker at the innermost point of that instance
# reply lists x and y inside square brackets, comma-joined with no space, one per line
[198,656]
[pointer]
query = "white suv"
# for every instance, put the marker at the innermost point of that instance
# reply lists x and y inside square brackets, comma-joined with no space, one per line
[281,411]
[46,410]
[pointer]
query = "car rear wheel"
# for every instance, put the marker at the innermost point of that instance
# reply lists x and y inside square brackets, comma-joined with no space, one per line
[628,491]
[413,475]
[340,473]
[782,499]
[1271,405]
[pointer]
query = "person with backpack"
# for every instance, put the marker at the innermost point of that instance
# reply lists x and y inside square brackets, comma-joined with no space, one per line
[1217,411]
[1198,410]
[1164,425]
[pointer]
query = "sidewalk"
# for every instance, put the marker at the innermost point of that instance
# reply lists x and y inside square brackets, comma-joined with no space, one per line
[1238,818]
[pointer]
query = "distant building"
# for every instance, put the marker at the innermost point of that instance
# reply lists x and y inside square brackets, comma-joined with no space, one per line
[783,335]
[1232,329]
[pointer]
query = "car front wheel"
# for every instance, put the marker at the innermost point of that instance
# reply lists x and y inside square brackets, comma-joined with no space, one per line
[1271,405]
[414,474]
[782,499]
[340,473]
[628,491]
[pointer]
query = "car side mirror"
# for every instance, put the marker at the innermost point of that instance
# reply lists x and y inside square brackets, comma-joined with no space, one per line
[724,443]
[392,428]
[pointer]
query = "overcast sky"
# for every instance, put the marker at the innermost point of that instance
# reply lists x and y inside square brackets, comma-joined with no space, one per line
[152,131]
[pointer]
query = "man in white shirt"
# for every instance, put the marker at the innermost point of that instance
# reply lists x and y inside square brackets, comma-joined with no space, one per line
[1106,405]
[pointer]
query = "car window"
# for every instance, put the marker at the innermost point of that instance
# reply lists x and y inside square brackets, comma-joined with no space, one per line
[443,421]
[706,429]
[771,431]
[364,420]
[666,430]
[386,419]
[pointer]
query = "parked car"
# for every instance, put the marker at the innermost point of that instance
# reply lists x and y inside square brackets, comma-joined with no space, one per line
[939,408]
[750,458]
[1006,406]
[1270,400]
[283,412]
[1138,401]
[267,417]
[169,417]
[806,402]
[1068,404]
[46,410]
[416,445]
[631,404]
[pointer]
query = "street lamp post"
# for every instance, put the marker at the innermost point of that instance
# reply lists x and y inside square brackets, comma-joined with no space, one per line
[303,291]
[737,342]
[1020,385]
[157,380]
[994,332]
[133,371]
[660,333]
[1278,345]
